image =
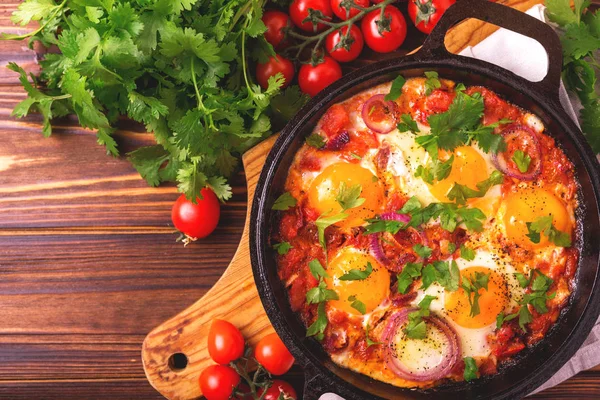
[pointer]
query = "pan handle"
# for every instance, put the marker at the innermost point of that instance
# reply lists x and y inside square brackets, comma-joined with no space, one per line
[505,17]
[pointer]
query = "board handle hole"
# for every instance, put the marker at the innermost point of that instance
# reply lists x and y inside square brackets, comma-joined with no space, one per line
[177,362]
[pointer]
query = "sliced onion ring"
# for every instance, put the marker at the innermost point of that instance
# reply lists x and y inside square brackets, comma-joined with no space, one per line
[374,244]
[501,163]
[385,123]
[451,354]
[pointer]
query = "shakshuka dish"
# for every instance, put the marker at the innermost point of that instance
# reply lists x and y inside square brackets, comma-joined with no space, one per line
[426,232]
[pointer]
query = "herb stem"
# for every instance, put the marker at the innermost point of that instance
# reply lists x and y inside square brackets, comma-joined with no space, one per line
[333,26]
[33,33]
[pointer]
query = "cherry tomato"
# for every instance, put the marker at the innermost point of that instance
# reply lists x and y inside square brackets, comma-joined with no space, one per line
[390,39]
[342,13]
[272,354]
[279,387]
[341,54]
[299,11]
[428,12]
[275,21]
[225,342]
[218,382]
[196,220]
[314,79]
[272,67]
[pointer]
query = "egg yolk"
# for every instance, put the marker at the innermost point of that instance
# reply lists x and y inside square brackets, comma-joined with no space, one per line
[468,169]
[491,301]
[323,192]
[370,291]
[527,205]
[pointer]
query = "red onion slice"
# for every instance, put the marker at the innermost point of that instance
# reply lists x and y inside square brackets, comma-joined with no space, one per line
[374,243]
[525,133]
[378,114]
[451,354]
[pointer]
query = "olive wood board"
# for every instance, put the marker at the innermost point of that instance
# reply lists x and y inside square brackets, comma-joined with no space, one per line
[235,297]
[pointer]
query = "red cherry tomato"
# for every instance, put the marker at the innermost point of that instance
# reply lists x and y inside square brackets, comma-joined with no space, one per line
[272,354]
[341,54]
[275,21]
[342,13]
[299,11]
[225,342]
[377,1]
[272,67]
[196,220]
[428,12]
[277,388]
[388,40]
[218,382]
[314,79]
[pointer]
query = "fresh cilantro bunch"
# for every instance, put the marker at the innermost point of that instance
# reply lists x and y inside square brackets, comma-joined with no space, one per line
[581,44]
[180,67]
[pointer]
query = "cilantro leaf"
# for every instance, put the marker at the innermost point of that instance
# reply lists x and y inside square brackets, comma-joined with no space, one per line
[501,318]
[522,160]
[467,253]
[410,272]
[148,162]
[315,140]
[395,89]
[324,222]
[559,11]
[320,294]
[282,248]
[543,225]
[368,339]
[432,82]
[357,305]
[472,285]
[407,124]
[349,197]
[317,270]
[422,251]
[470,369]
[416,328]
[376,225]
[317,328]
[284,202]
[435,170]
[357,274]
[460,193]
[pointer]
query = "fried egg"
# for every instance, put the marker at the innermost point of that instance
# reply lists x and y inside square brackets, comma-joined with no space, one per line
[502,294]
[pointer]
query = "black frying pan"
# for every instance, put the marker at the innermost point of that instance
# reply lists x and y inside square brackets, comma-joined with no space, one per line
[533,366]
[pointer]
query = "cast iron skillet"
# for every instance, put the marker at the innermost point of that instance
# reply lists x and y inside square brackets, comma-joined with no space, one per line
[535,365]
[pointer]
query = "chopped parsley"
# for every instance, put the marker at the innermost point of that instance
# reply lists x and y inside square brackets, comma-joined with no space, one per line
[315,140]
[472,286]
[416,328]
[460,193]
[395,89]
[450,215]
[376,225]
[407,124]
[357,274]
[443,272]
[422,251]
[367,339]
[317,328]
[537,298]
[432,82]
[320,294]
[470,369]
[357,305]
[543,225]
[467,253]
[323,222]
[349,197]
[435,170]
[285,201]
[282,248]
[317,270]
[410,272]
[522,160]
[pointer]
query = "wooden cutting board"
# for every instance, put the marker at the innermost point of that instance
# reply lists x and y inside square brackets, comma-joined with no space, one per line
[234,297]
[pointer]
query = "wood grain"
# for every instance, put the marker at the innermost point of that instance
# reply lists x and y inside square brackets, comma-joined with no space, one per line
[234,292]
[88,258]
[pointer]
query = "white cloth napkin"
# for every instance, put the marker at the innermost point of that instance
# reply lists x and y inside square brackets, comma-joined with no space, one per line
[506,49]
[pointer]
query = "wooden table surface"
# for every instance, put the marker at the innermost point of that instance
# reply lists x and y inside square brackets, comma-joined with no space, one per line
[88,258]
